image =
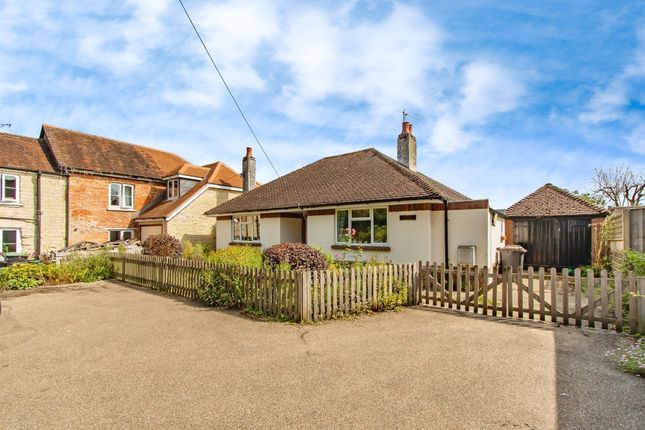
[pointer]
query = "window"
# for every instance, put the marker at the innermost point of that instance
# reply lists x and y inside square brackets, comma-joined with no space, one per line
[173,188]
[362,226]
[246,228]
[121,196]
[9,188]
[10,241]
[115,235]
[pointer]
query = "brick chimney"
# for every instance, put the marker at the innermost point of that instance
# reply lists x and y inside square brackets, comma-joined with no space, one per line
[406,150]
[248,171]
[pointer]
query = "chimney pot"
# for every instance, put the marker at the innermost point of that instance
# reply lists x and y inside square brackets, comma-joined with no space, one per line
[248,171]
[406,149]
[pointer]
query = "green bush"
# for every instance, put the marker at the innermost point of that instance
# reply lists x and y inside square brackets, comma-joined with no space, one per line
[392,302]
[626,261]
[250,256]
[30,275]
[220,290]
[198,251]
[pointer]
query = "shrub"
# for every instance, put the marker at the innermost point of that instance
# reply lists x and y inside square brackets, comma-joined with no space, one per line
[237,256]
[28,275]
[220,290]
[298,255]
[162,245]
[628,260]
[394,301]
[630,359]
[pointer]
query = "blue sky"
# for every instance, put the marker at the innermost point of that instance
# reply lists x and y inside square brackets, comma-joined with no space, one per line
[507,95]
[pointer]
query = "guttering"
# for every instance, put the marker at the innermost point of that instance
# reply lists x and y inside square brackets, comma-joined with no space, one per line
[445,231]
[39,212]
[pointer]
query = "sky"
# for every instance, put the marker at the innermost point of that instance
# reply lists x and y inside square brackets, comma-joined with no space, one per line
[505,96]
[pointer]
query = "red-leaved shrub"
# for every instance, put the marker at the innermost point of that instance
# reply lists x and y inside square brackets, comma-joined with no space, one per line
[162,245]
[298,255]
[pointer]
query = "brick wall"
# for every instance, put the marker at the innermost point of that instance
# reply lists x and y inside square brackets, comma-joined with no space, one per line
[90,217]
[508,231]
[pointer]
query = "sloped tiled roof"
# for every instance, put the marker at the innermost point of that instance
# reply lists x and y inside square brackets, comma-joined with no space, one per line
[217,174]
[25,153]
[87,152]
[358,177]
[552,201]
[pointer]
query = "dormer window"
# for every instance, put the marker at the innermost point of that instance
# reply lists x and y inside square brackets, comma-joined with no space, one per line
[173,188]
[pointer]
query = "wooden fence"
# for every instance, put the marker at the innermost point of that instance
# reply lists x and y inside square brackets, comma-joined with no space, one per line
[546,295]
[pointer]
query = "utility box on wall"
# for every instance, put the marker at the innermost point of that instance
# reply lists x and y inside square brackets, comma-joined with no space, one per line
[467,254]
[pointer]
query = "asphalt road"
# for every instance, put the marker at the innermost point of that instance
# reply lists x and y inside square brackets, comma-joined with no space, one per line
[106,355]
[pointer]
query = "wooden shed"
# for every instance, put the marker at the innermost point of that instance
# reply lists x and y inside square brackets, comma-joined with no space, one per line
[555,227]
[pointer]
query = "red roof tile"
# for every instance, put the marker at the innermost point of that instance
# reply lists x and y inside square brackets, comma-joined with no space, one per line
[552,201]
[358,177]
[25,153]
[81,151]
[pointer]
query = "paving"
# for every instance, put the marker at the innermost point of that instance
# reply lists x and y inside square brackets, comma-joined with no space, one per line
[109,355]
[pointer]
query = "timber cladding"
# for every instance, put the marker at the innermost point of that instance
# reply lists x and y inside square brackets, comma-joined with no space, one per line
[296,215]
[452,206]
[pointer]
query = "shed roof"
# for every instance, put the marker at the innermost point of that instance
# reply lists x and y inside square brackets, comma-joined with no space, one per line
[357,177]
[552,201]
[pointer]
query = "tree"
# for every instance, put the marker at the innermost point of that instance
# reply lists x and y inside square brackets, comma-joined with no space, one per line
[620,185]
[594,199]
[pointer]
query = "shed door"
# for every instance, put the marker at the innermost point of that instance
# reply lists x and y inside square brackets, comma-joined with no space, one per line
[555,242]
[149,230]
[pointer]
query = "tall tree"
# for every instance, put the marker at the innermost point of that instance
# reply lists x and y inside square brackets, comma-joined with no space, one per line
[621,186]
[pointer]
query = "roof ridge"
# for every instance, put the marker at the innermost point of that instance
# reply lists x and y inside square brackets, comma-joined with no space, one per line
[576,197]
[136,145]
[18,135]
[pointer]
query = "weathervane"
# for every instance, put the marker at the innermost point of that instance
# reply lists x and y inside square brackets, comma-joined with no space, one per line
[407,114]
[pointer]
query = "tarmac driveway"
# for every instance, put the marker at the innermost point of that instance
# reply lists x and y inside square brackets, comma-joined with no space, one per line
[107,355]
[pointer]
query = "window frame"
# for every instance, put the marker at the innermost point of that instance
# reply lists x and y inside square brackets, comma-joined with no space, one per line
[18,240]
[3,187]
[121,231]
[173,184]
[121,206]
[370,218]
[252,222]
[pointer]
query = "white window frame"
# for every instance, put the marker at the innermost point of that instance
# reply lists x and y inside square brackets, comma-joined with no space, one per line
[121,231]
[370,218]
[173,189]
[18,240]
[121,205]
[252,222]
[3,178]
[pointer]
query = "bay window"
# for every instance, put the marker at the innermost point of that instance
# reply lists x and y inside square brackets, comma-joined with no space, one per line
[365,226]
[9,188]
[121,196]
[246,228]
[10,241]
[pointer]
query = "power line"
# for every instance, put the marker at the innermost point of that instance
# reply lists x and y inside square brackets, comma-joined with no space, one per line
[227,87]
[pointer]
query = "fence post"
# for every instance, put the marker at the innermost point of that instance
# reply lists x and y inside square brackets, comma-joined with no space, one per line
[640,300]
[123,269]
[303,314]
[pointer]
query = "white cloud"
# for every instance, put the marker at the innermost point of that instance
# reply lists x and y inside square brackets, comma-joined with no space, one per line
[636,140]
[488,89]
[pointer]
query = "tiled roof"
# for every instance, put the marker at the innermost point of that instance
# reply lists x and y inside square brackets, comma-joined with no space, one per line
[87,152]
[20,152]
[358,177]
[551,201]
[217,174]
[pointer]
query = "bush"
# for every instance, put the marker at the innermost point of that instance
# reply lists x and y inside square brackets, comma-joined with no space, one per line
[220,290]
[162,245]
[249,256]
[298,255]
[394,301]
[628,260]
[199,251]
[29,275]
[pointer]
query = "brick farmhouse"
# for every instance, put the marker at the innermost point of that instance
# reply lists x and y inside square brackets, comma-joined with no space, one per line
[67,187]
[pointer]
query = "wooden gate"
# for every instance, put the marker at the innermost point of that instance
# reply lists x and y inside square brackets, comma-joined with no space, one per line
[555,242]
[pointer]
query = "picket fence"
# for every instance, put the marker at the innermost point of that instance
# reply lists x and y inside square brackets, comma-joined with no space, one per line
[581,299]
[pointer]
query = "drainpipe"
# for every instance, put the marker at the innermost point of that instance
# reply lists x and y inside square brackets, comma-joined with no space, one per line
[445,231]
[67,211]
[38,212]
